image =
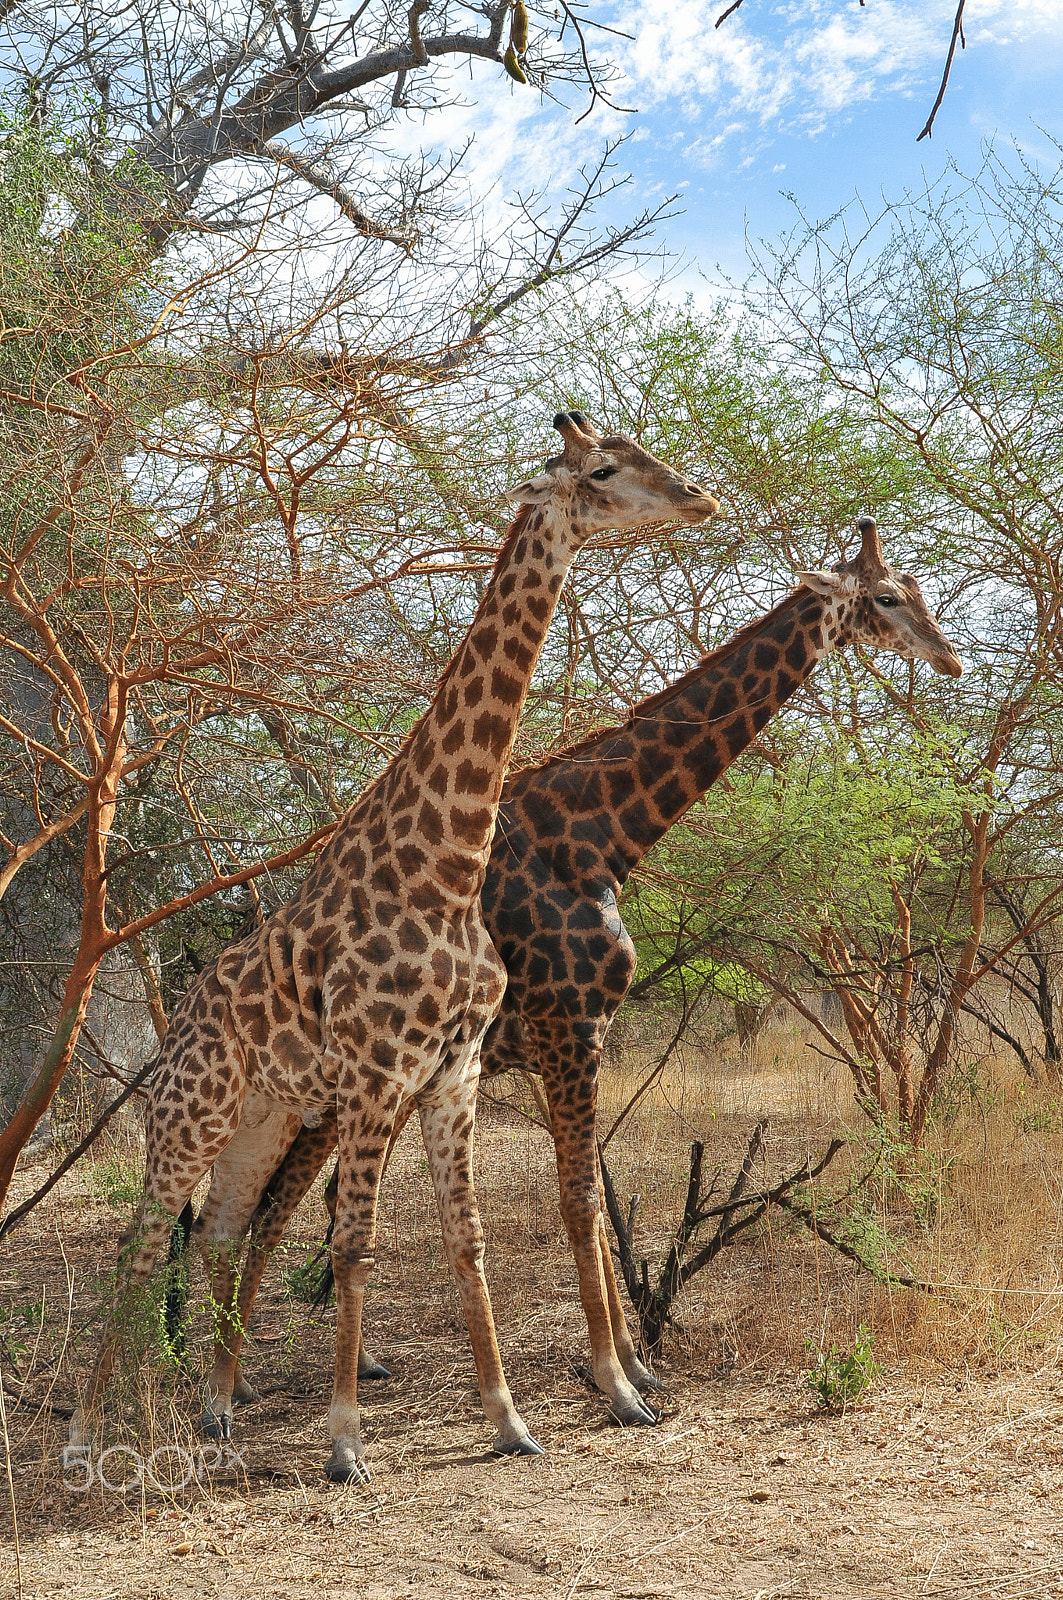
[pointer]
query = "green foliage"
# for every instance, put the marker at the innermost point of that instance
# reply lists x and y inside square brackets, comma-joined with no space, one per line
[968,1084]
[840,1380]
[1037,1116]
[117,1177]
[896,1178]
[303,1279]
[142,1314]
[860,1223]
[816,838]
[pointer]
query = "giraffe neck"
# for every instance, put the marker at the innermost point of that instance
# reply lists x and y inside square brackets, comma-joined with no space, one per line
[441,791]
[625,787]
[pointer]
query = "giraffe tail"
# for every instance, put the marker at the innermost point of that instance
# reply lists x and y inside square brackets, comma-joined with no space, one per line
[177,1282]
[326,1282]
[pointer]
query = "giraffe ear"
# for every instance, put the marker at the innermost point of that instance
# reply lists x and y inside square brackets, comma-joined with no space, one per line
[533,491]
[825,583]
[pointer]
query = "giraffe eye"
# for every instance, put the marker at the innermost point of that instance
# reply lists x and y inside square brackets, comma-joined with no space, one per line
[887,600]
[602,473]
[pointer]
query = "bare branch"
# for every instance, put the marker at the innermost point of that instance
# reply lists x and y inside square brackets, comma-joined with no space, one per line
[322,179]
[414,15]
[957,34]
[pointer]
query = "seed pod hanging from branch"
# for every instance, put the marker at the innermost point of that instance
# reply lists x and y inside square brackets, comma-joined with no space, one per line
[513,66]
[518,28]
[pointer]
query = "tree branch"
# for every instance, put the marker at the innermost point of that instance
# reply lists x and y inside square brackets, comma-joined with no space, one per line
[326,182]
[957,33]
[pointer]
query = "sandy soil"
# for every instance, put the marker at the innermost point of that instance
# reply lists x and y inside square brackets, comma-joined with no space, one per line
[949,1484]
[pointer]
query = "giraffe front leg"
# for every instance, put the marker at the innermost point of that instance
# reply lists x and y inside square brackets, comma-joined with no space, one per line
[364,1132]
[352,1262]
[222,1263]
[139,1250]
[370,1370]
[570,1075]
[179,1151]
[447,1112]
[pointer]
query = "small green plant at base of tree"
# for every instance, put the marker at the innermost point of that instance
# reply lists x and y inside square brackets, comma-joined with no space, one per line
[838,1380]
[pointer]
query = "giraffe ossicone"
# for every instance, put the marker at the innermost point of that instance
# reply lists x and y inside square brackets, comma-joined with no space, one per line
[369,993]
[570,831]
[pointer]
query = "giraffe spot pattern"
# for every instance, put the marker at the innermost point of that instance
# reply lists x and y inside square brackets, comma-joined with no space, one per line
[353,996]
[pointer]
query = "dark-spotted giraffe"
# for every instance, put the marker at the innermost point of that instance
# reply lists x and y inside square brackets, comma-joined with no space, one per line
[371,990]
[569,833]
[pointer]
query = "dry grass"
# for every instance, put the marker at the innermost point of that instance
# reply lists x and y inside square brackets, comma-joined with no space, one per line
[942,1484]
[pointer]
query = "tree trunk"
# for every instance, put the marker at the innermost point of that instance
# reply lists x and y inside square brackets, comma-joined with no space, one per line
[38,1097]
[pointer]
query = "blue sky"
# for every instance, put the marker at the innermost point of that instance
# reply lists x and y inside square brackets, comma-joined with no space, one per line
[823,98]
[854,88]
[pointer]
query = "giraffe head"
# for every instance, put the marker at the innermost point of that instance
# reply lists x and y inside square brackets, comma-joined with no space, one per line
[611,482]
[884,609]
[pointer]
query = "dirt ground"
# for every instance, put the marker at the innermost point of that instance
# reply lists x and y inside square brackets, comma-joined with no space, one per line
[948,1480]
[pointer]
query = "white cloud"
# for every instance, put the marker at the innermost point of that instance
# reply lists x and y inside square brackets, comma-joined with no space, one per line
[521,144]
[794,67]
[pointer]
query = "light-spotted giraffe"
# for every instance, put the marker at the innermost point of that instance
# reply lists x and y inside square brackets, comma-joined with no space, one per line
[569,833]
[372,989]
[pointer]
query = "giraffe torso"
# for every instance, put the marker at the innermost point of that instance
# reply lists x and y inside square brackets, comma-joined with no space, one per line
[388,974]
[551,909]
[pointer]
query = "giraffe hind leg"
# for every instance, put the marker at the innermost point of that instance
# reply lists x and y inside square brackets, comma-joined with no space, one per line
[570,1070]
[634,1367]
[241,1172]
[288,1186]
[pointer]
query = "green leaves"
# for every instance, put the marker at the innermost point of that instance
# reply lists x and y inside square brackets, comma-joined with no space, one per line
[841,1379]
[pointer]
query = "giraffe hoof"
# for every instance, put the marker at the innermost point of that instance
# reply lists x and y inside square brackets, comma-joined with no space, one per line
[644,1379]
[525,1446]
[375,1372]
[343,1466]
[213,1426]
[636,1414]
[245,1395]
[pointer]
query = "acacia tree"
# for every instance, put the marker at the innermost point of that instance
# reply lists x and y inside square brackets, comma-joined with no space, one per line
[909,365]
[213,467]
[153,576]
